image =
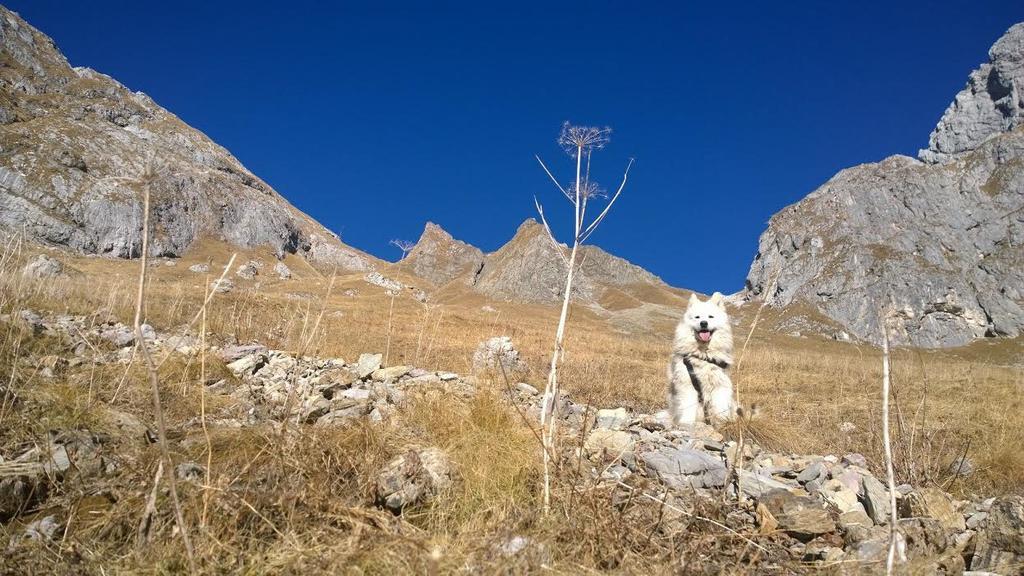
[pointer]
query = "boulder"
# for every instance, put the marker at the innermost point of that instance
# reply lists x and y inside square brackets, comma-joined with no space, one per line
[390,373]
[222,285]
[608,443]
[282,270]
[367,364]
[684,468]
[248,271]
[932,503]
[415,477]
[875,497]
[43,266]
[497,352]
[802,517]
[1000,539]
[612,419]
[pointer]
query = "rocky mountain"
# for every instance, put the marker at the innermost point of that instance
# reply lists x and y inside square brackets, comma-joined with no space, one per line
[528,268]
[73,143]
[938,241]
[440,258]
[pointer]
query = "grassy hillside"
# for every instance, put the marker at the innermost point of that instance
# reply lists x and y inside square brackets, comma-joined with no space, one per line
[291,502]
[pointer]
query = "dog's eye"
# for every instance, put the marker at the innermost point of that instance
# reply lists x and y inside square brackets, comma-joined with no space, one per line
[710,317]
[697,317]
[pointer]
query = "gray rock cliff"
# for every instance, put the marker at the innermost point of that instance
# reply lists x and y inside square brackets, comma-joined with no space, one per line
[73,142]
[938,241]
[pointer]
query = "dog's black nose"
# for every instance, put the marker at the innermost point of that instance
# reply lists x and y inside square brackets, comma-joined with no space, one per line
[703,323]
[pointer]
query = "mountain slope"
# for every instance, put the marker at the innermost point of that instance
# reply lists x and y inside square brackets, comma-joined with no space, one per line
[938,241]
[74,141]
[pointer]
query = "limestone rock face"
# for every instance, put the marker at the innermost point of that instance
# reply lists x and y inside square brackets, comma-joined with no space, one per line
[938,242]
[75,142]
[440,258]
[990,104]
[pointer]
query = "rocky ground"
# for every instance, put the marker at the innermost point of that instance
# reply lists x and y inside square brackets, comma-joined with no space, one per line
[812,510]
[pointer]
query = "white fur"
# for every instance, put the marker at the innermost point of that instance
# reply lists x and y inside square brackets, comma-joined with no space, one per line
[701,391]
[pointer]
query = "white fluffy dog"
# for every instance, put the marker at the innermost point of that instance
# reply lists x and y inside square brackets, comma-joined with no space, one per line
[699,384]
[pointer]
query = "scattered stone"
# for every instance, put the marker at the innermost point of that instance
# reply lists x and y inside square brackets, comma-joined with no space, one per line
[41,530]
[415,477]
[199,268]
[814,471]
[390,373]
[514,545]
[854,460]
[756,485]
[875,497]
[248,364]
[247,271]
[840,496]
[498,349]
[610,444]
[961,467]
[766,522]
[119,335]
[932,503]
[32,321]
[855,517]
[685,468]
[817,551]
[236,351]
[1000,539]
[282,270]
[612,419]
[222,285]
[847,427]
[43,266]
[802,517]
[378,279]
[527,389]
[189,472]
[367,364]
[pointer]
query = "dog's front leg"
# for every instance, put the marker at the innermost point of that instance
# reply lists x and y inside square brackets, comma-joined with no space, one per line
[720,402]
[684,402]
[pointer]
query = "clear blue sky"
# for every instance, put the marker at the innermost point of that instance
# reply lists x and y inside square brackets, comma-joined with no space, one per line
[377,119]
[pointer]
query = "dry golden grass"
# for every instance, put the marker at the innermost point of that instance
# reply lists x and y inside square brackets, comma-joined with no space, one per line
[302,505]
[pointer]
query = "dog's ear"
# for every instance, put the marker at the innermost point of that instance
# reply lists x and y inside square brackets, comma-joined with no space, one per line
[693,299]
[717,299]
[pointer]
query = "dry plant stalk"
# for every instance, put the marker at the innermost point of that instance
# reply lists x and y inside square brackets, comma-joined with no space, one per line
[577,141]
[154,382]
[890,474]
[202,411]
[391,313]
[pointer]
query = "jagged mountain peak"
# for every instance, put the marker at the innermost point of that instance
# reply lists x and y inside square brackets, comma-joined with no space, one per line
[529,267]
[990,104]
[440,258]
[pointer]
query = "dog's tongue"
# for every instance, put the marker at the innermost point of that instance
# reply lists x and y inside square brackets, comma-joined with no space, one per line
[704,335]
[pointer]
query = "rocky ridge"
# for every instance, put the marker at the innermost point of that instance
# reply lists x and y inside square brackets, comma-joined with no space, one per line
[75,142]
[820,510]
[440,258]
[529,268]
[937,242]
